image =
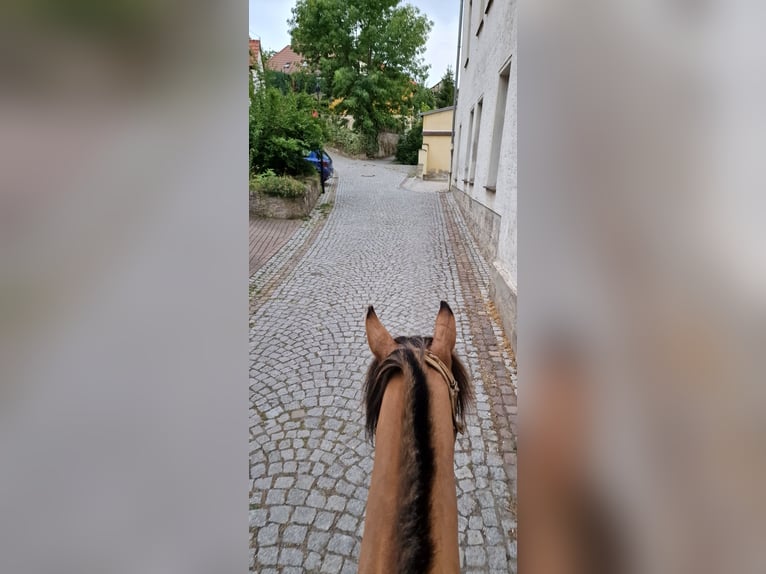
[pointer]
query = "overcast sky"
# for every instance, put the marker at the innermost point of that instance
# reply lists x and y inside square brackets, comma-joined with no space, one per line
[268,21]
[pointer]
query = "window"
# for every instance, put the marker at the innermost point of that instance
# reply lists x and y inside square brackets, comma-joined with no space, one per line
[456,157]
[467,31]
[468,148]
[475,150]
[499,125]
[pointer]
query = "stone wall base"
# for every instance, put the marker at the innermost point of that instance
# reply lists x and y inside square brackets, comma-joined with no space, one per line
[482,221]
[438,175]
[503,293]
[262,205]
[484,225]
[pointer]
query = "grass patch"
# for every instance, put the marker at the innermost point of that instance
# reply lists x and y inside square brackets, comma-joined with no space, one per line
[326,208]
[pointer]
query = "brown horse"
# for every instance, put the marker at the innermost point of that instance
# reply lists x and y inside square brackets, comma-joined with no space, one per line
[416,393]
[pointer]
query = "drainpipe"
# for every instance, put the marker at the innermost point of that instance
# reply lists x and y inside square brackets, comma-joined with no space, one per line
[457,84]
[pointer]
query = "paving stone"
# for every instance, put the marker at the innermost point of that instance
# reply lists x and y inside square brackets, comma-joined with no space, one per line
[294,534]
[304,515]
[268,535]
[279,514]
[332,564]
[258,517]
[336,503]
[324,520]
[341,544]
[290,557]
[317,541]
[313,562]
[275,497]
[475,556]
[267,556]
[284,482]
[296,497]
[347,523]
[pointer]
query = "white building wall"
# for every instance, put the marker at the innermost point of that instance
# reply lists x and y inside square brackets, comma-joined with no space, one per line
[507,175]
[492,215]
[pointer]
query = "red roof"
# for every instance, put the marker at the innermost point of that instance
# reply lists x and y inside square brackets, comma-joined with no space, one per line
[285,61]
[255,52]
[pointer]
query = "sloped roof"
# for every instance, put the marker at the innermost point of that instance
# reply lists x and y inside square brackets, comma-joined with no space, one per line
[285,61]
[437,111]
[255,53]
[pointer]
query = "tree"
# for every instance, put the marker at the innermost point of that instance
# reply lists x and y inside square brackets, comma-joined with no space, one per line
[369,53]
[445,97]
[283,129]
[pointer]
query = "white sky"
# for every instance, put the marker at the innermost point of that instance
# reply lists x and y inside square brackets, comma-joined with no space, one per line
[268,21]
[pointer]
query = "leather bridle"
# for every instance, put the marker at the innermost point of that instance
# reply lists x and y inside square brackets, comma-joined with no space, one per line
[436,363]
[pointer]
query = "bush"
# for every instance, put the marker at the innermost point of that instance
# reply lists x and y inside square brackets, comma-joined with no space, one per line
[344,139]
[283,130]
[409,145]
[278,186]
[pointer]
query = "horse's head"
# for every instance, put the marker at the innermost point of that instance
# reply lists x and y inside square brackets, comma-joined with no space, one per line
[389,359]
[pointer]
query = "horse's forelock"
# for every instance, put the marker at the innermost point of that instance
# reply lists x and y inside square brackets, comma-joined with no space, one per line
[379,374]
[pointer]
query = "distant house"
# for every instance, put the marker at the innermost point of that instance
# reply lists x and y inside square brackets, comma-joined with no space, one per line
[256,62]
[434,156]
[484,155]
[287,61]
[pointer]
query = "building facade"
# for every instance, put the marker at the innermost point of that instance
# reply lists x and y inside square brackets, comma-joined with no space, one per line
[483,171]
[434,155]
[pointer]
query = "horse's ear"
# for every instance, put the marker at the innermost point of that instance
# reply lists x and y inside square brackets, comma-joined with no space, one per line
[381,343]
[445,334]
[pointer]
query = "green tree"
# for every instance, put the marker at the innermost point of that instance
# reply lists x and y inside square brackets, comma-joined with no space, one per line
[369,53]
[423,100]
[283,129]
[410,144]
[445,97]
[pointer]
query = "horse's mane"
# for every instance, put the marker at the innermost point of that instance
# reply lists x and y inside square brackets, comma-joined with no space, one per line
[414,544]
[379,374]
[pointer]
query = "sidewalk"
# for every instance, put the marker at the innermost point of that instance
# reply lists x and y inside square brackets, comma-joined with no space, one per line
[267,236]
[423,185]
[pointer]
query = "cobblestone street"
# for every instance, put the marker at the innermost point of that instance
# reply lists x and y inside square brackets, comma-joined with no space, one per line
[401,250]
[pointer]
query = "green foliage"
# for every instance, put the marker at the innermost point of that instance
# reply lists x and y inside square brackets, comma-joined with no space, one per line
[423,100]
[278,186]
[305,82]
[283,130]
[445,97]
[409,145]
[344,139]
[370,55]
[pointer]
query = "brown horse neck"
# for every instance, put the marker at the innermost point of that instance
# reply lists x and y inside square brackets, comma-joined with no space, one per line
[382,545]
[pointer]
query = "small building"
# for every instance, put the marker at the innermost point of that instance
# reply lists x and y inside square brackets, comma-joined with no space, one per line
[287,61]
[435,155]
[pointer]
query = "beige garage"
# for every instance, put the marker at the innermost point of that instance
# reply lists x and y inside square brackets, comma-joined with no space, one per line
[434,157]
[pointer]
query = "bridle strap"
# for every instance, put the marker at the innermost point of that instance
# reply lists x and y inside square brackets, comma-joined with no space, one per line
[436,363]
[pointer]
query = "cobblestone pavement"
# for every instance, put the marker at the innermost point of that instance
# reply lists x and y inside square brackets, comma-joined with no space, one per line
[310,465]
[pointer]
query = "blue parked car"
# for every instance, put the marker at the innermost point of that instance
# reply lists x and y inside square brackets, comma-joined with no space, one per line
[313,159]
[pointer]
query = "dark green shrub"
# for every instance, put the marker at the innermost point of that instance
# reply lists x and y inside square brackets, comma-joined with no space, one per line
[278,186]
[409,145]
[283,130]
